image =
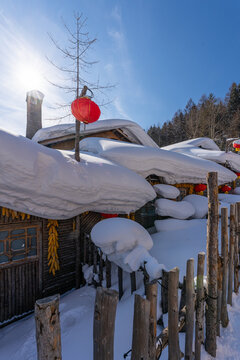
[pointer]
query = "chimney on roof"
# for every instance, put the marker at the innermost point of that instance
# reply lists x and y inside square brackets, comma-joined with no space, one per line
[34,101]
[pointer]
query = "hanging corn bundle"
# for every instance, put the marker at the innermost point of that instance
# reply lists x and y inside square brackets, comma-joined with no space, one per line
[53,261]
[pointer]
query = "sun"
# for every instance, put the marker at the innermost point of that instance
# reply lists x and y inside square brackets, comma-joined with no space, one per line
[29,77]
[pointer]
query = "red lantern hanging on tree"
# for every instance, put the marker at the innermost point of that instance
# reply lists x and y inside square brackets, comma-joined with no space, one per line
[85,110]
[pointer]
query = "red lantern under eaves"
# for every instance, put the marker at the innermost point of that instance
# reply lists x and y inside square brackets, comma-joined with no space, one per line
[85,110]
[225,188]
[108,216]
[200,187]
[236,145]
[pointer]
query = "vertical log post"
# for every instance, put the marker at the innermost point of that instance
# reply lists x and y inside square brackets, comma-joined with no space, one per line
[224,252]
[164,292]
[151,294]
[48,332]
[140,328]
[219,296]
[231,254]
[236,249]
[190,294]
[173,338]
[100,267]
[212,264]
[199,326]
[183,301]
[120,282]
[108,273]
[104,324]
[133,281]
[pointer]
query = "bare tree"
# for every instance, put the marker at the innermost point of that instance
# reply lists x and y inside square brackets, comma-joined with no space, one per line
[77,72]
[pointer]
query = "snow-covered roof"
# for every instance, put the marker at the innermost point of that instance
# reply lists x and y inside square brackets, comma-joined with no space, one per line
[49,183]
[133,131]
[146,160]
[206,149]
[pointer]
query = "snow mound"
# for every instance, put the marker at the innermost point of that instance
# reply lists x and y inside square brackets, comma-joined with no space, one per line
[236,191]
[129,128]
[51,184]
[174,224]
[229,198]
[200,204]
[175,209]
[145,160]
[204,148]
[126,243]
[166,191]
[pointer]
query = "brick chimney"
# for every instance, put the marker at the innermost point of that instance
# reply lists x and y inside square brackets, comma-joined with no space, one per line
[34,101]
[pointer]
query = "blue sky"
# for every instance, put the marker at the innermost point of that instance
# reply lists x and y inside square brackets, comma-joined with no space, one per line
[159,53]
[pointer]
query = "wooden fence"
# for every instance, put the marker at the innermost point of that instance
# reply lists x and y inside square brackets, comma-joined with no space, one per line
[208,296]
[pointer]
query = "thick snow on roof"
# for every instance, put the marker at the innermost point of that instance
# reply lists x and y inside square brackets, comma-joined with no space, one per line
[49,183]
[203,142]
[134,132]
[205,149]
[145,160]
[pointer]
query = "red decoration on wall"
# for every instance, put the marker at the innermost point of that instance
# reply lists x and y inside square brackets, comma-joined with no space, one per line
[200,187]
[108,216]
[85,110]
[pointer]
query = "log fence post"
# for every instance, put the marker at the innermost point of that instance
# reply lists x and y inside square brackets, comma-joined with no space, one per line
[48,331]
[231,254]
[173,337]
[236,250]
[190,295]
[140,328]
[120,282]
[200,298]
[224,253]
[104,324]
[212,264]
[151,294]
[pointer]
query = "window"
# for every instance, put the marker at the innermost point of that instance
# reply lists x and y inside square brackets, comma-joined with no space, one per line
[18,243]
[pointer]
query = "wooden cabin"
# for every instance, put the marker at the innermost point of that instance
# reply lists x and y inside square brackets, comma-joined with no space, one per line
[24,256]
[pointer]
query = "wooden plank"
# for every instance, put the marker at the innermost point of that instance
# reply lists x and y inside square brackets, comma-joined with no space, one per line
[9,276]
[104,324]
[100,267]
[13,290]
[212,264]
[140,328]
[78,253]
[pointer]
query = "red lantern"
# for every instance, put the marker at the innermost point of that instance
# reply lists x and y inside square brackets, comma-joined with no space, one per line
[236,145]
[238,174]
[225,189]
[85,110]
[108,216]
[200,187]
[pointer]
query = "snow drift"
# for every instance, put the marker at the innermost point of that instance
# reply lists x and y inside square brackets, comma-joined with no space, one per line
[126,243]
[176,209]
[49,183]
[145,160]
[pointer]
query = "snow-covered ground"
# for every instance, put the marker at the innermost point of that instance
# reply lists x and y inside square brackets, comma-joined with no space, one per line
[173,245]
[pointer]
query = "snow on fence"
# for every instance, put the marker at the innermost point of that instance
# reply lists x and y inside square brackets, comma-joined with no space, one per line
[210,298]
